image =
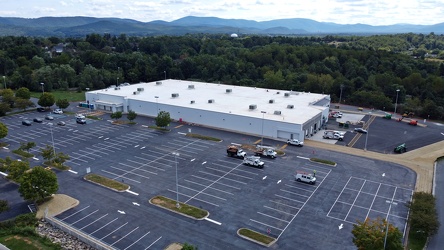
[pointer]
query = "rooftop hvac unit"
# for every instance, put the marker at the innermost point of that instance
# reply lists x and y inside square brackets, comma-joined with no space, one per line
[116,88]
[271,101]
[158,83]
[278,92]
[290,106]
[253,106]
[174,95]
[228,90]
[192,102]
[190,86]
[135,93]
[277,112]
[211,101]
[140,89]
[287,94]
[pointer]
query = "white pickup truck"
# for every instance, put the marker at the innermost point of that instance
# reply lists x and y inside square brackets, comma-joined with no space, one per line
[253,161]
[333,135]
[295,142]
[304,177]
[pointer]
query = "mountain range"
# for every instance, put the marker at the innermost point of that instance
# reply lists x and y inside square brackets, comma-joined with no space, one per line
[81,26]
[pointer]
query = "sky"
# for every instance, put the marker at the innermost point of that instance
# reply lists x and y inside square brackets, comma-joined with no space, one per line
[374,12]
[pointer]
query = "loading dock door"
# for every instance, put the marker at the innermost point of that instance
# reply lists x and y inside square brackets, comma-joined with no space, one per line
[286,135]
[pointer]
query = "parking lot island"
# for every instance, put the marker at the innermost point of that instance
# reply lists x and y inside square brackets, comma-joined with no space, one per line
[183,209]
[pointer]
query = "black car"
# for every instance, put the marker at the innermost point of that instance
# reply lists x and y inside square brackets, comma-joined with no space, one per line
[40,109]
[26,123]
[81,121]
[361,130]
[38,120]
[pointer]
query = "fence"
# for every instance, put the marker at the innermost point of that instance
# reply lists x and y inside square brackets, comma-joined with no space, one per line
[88,239]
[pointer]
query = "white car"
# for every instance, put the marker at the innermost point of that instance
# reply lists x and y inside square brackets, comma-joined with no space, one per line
[295,142]
[80,116]
[57,111]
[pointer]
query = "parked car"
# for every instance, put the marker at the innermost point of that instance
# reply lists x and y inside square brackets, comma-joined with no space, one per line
[295,142]
[80,116]
[48,117]
[361,130]
[57,111]
[81,120]
[41,109]
[304,177]
[26,122]
[61,123]
[38,120]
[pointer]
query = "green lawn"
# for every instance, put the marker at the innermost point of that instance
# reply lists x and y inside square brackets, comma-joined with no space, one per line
[27,242]
[71,96]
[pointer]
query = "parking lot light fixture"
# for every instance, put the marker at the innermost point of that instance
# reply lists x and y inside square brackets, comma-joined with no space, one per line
[52,138]
[43,87]
[262,138]
[177,184]
[157,104]
[165,74]
[396,103]
[4,81]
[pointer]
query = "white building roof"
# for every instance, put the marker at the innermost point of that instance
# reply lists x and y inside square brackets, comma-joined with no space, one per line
[236,102]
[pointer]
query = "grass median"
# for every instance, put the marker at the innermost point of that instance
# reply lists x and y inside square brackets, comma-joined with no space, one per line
[262,238]
[203,137]
[113,184]
[185,209]
[327,162]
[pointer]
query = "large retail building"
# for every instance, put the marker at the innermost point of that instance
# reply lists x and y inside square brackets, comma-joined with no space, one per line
[272,113]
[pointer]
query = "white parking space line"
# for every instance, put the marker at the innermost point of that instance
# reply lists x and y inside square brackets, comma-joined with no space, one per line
[299,195]
[113,231]
[197,199]
[75,213]
[79,155]
[95,150]
[268,226]
[99,148]
[214,196]
[223,184]
[93,221]
[84,217]
[272,217]
[154,242]
[180,150]
[125,236]
[199,184]
[354,201]
[282,204]
[223,177]
[373,201]
[218,170]
[71,171]
[119,176]
[136,241]
[195,145]
[98,229]
[129,172]
[131,192]
[299,188]
[136,168]
[139,168]
[280,211]
[158,163]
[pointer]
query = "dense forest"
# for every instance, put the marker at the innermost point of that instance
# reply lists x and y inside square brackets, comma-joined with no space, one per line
[363,71]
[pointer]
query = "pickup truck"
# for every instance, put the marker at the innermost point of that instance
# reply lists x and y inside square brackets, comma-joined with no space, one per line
[253,161]
[332,135]
[295,142]
[265,151]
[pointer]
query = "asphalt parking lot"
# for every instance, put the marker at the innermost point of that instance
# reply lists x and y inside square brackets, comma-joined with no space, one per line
[266,200]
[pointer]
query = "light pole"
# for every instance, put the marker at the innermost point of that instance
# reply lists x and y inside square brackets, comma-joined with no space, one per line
[52,138]
[366,138]
[177,185]
[87,89]
[387,220]
[43,87]
[396,103]
[118,73]
[340,95]
[157,104]
[4,81]
[165,73]
[262,139]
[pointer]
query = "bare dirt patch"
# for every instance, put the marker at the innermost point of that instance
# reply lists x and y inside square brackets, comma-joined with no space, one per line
[58,204]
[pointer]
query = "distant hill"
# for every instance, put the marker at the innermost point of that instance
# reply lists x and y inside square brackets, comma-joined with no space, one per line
[81,26]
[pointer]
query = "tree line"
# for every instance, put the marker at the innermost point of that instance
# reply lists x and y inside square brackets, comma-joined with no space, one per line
[372,71]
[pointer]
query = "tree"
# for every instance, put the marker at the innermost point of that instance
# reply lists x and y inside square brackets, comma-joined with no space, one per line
[27,146]
[62,103]
[38,184]
[187,246]
[23,103]
[48,153]
[4,206]
[4,108]
[3,130]
[163,119]
[423,217]
[46,100]
[131,115]
[370,234]
[116,115]
[8,97]
[16,169]
[61,158]
[23,93]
